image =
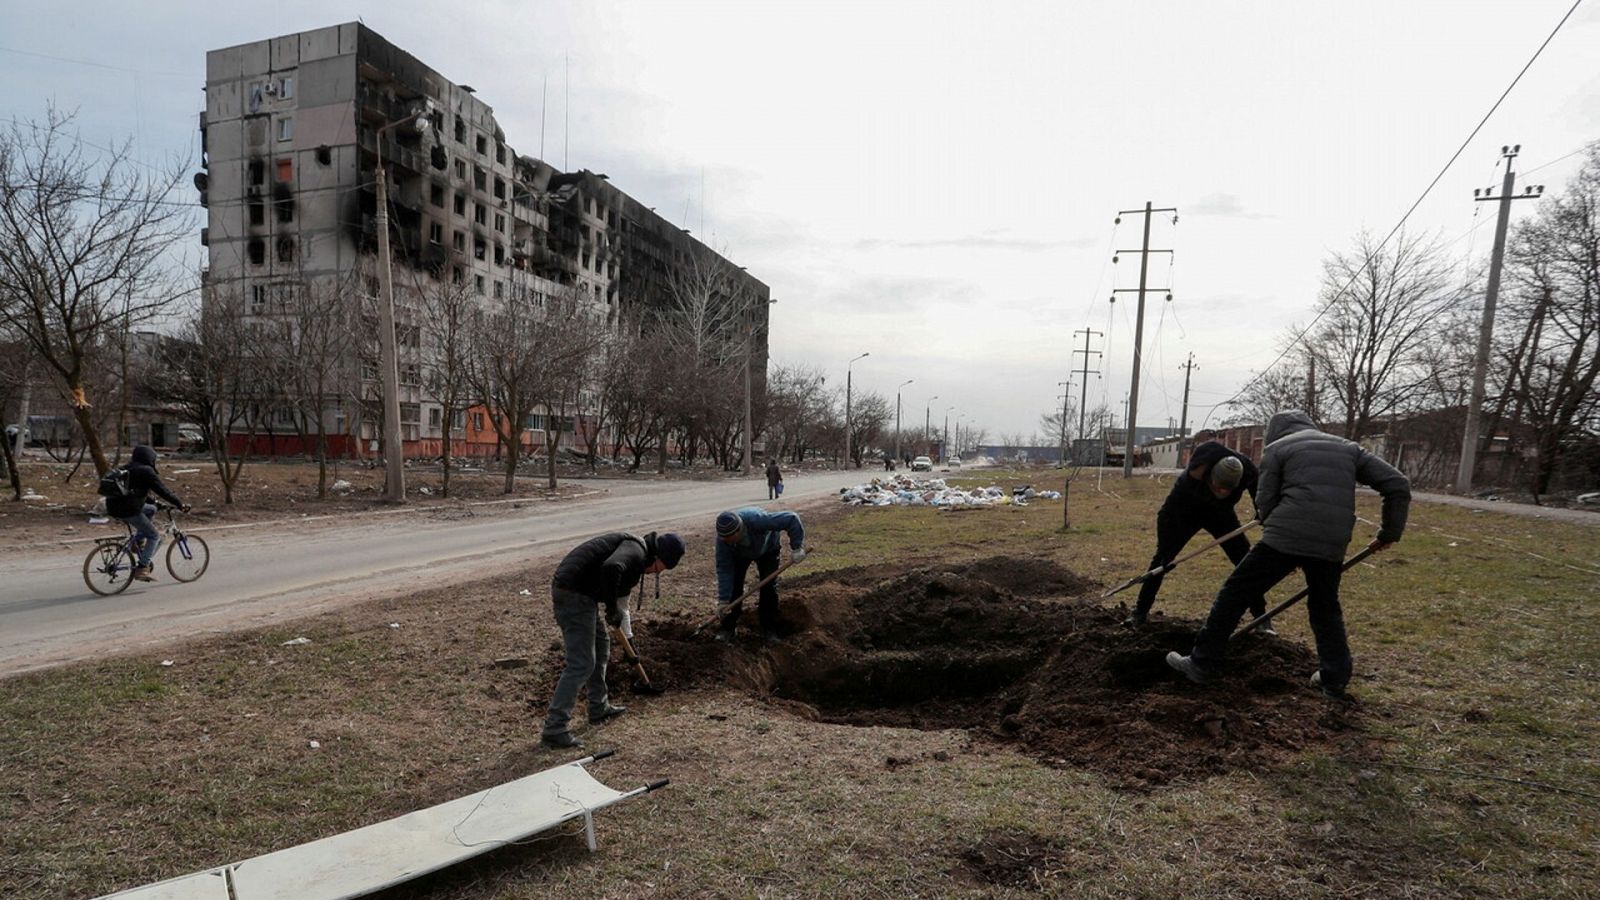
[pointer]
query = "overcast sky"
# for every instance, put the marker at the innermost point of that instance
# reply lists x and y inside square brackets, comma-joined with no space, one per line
[935,183]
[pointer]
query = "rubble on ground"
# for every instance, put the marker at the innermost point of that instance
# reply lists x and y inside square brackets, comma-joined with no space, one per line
[904,490]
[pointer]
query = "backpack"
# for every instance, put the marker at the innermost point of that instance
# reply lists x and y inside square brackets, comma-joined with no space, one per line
[114,484]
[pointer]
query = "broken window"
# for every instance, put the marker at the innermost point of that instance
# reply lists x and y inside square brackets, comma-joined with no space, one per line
[286,89]
[499,223]
[435,233]
[285,171]
[325,155]
[258,211]
[459,241]
[499,290]
[483,145]
[461,130]
[480,214]
[456,275]
[436,195]
[499,152]
[499,254]
[499,188]
[477,282]
[480,248]
[285,249]
[461,205]
[480,179]
[258,251]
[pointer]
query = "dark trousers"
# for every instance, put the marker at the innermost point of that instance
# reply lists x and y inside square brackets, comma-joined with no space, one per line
[772,490]
[588,649]
[1174,527]
[767,612]
[1263,568]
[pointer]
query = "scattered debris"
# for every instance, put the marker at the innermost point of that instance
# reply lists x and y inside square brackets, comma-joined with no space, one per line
[98,520]
[904,490]
[186,472]
[315,745]
[394,624]
[510,662]
[425,491]
[166,662]
[1589,498]
[295,642]
[342,485]
[30,495]
[525,592]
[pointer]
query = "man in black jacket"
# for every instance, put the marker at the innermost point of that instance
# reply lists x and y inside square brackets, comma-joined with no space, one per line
[134,507]
[600,570]
[1203,497]
[1306,504]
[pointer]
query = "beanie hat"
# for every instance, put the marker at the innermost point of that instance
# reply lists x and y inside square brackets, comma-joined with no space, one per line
[669,549]
[729,523]
[1226,472]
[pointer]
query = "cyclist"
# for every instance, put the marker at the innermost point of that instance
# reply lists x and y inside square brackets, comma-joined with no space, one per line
[135,508]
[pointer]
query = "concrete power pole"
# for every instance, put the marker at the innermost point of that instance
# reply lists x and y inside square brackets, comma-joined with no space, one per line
[1083,399]
[1311,384]
[393,452]
[1138,323]
[1480,368]
[1066,397]
[1183,423]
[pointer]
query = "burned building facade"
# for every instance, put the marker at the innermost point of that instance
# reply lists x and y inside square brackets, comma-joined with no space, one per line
[294,130]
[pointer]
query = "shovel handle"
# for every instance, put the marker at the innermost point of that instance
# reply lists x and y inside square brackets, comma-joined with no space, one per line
[630,656]
[1265,617]
[736,603]
[1162,570]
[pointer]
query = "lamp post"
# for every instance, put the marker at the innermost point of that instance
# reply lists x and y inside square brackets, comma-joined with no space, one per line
[897,417]
[749,350]
[847,377]
[393,450]
[927,421]
[958,436]
[944,438]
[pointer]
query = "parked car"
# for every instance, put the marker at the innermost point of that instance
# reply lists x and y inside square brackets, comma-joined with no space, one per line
[955,462]
[191,440]
[922,464]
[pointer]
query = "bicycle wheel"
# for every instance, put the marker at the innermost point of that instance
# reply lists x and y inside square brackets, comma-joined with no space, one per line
[187,557]
[108,569]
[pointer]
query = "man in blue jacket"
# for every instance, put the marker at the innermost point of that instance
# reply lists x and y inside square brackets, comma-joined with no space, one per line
[601,570]
[1202,498]
[1306,504]
[751,535]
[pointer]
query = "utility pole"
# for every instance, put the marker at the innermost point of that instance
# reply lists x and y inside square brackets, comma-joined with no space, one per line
[944,438]
[1183,423]
[1138,321]
[847,383]
[749,348]
[1311,384]
[1083,398]
[897,417]
[927,422]
[1066,397]
[1480,368]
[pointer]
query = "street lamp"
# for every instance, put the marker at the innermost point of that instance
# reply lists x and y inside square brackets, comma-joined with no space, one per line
[897,416]
[944,442]
[847,376]
[393,450]
[959,417]
[927,421]
[749,349]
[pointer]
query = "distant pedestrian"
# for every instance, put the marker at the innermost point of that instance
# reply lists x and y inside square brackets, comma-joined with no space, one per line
[774,479]
[1202,498]
[601,570]
[1306,504]
[751,535]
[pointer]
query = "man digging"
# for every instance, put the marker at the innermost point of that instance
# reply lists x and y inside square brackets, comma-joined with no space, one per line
[1306,504]
[751,535]
[600,570]
[1203,497]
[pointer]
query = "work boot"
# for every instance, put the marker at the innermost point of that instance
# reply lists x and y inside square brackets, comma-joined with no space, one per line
[724,636]
[1332,693]
[1266,628]
[142,573]
[596,716]
[1135,619]
[1187,666]
[560,741]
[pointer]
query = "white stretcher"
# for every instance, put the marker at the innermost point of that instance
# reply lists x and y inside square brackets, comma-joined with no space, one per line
[384,854]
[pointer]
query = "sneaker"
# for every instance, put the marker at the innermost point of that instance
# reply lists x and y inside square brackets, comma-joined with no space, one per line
[560,741]
[142,573]
[1187,666]
[724,636]
[1267,629]
[1332,693]
[608,712]
[1135,619]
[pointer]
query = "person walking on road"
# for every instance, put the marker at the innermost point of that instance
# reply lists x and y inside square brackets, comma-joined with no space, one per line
[134,506]
[1306,504]
[774,478]
[751,535]
[1202,498]
[601,570]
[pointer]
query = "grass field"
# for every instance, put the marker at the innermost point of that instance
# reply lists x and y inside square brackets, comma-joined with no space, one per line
[1472,769]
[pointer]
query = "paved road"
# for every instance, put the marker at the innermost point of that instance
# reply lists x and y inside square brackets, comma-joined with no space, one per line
[263,574]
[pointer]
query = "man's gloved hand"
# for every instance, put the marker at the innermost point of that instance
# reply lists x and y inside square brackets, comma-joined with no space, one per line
[613,615]
[796,555]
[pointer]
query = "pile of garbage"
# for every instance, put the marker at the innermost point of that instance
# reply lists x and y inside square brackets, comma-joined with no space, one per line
[904,490]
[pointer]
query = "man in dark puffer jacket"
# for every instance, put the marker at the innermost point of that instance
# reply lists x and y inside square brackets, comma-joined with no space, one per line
[1306,504]
[135,508]
[601,570]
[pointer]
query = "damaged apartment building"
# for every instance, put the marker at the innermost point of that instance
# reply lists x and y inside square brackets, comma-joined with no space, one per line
[290,148]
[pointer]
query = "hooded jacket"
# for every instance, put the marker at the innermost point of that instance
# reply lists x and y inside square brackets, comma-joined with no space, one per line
[607,567]
[1306,499]
[142,479]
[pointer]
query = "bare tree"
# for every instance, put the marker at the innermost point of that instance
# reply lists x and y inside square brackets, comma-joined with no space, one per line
[84,251]
[1277,389]
[1379,306]
[448,350]
[870,414]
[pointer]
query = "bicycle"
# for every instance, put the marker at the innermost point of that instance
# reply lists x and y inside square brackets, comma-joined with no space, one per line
[108,569]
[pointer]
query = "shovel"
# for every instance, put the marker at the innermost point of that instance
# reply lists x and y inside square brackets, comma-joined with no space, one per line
[1162,570]
[643,685]
[1266,617]
[735,604]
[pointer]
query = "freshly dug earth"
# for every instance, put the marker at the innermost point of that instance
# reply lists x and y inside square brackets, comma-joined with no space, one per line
[1013,651]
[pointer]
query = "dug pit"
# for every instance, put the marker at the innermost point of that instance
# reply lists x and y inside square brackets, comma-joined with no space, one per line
[1015,651]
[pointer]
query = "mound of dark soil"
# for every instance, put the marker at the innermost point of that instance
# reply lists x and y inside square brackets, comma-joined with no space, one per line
[1010,860]
[983,647]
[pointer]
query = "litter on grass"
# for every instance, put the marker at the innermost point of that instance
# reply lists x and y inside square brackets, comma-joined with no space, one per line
[295,642]
[903,490]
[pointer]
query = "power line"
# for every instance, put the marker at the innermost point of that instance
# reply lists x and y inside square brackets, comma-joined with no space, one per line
[1425,192]
[97,65]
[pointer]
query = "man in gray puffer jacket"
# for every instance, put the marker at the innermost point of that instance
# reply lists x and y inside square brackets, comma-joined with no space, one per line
[1306,504]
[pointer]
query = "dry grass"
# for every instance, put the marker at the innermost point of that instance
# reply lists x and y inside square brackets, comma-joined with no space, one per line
[1472,657]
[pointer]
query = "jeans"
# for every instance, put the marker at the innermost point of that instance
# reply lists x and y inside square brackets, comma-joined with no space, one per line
[1174,528]
[588,650]
[1260,570]
[767,611]
[146,537]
